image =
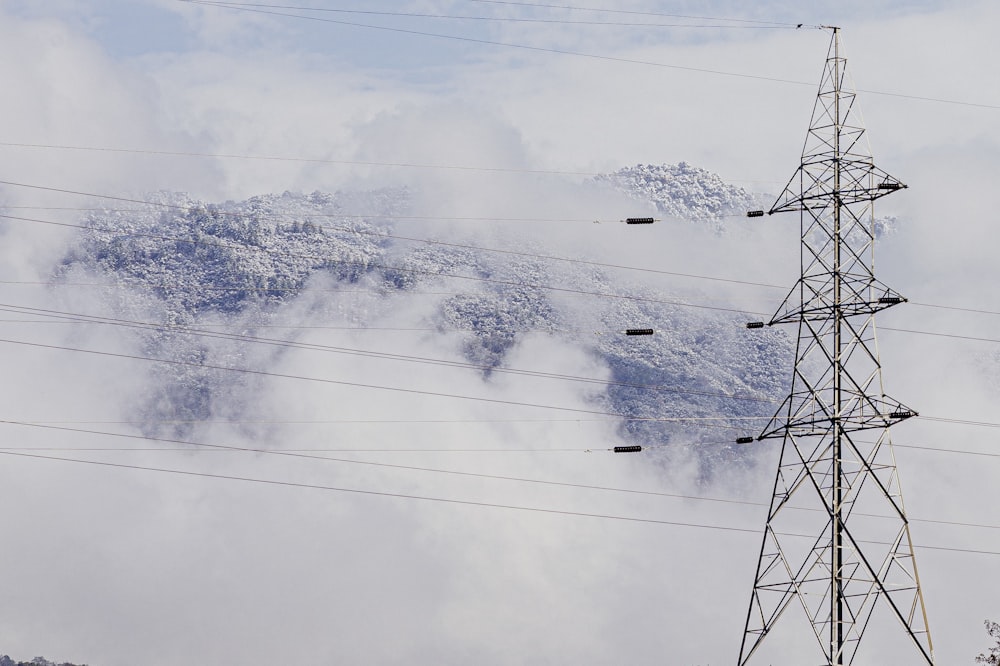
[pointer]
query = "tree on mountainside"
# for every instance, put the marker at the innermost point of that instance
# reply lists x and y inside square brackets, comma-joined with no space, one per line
[993,658]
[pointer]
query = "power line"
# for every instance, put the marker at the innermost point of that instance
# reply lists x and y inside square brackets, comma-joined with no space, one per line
[464,422]
[266,290]
[278,290]
[939,335]
[953,307]
[202,446]
[428,241]
[275,214]
[943,450]
[272,158]
[147,285]
[431,393]
[310,454]
[761,25]
[279,158]
[604,10]
[477,278]
[263,373]
[441,274]
[190,450]
[376,493]
[338,215]
[482,279]
[580,54]
[76,317]
[489,42]
[393,329]
[939,419]
[387,267]
[229,421]
[425,498]
[402,450]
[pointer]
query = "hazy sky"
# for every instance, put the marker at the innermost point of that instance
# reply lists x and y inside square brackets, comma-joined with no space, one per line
[117,567]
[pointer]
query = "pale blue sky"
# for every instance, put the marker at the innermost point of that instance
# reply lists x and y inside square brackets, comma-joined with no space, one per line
[128,28]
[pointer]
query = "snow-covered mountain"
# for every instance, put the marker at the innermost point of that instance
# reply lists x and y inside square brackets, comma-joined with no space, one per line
[685,191]
[183,264]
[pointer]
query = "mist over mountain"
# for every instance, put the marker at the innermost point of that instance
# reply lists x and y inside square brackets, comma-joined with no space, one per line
[217,285]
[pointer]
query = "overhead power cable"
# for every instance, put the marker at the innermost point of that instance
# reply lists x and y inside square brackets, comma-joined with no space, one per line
[430,241]
[632,12]
[311,455]
[954,307]
[134,449]
[434,242]
[410,422]
[488,42]
[278,215]
[147,285]
[719,22]
[297,327]
[387,267]
[543,287]
[337,382]
[939,419]
[407,422]
[291,344]
[443,500]
[280,290]
[580,54]
[272,158]
[308,160]
[939,335]
[179,239]
[407,449]
[458,245]
[376,493]
[943,450]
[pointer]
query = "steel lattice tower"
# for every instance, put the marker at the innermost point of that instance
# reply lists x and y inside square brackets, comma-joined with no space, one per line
[837,541]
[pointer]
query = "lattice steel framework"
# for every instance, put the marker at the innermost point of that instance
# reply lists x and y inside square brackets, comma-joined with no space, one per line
[837,466]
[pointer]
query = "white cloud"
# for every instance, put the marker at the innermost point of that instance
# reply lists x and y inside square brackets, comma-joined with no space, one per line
[114,567]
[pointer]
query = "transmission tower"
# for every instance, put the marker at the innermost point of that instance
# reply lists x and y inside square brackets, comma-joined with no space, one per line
[837,542]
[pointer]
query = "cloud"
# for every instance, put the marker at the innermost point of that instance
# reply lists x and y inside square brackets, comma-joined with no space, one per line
[113,566]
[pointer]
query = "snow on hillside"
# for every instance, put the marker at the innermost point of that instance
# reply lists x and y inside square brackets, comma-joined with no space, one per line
[243,264]
[684,191]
